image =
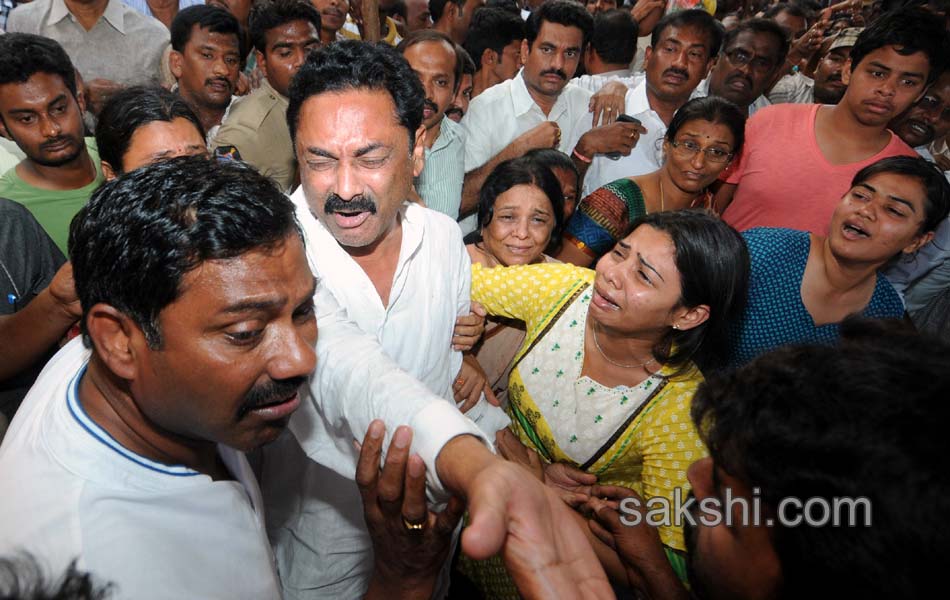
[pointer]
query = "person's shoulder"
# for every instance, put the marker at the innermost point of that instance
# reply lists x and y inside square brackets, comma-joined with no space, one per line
[767,241]
[251,111]
[142,25]
[14,215]
[886,302]
[440,226]
[898,147]
[576,92]
[495,93]
[27,13]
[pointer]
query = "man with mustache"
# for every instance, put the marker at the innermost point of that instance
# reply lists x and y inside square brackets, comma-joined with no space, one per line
[403,275]
[539,108]
[826,87]
[919,278]
[197,331]
[41,111]
[797,157]
[432,56]
[198,328]
[255,128]
[206,60]
[466,89]
[681,50]
[752,54]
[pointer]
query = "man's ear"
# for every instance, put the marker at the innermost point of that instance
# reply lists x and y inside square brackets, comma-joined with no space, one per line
[261,61]
[116,338]
[419,151]
[175,59]
[3,130]
[107,171]
[525,51]
[647,53]
[489,56]
[846,72]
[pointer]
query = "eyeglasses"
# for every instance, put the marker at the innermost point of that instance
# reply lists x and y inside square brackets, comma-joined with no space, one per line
[688,149]
[740,57]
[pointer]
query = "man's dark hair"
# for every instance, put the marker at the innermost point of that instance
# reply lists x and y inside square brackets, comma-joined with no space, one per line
[431,35]
[757,26]
[22,578]
[506,5]
[23,55]
[908,30]
[437,7]
[131,108]
[937,204]
[353,65]
[562,12]
[713,264]
[468,65]
[268,14]
[492,28]
[139,235]
[213,18]
[866,419]
[785,7]
[521,171]
[696,19]
[615,36]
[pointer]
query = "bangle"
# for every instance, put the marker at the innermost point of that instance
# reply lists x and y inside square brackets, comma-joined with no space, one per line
[581,157]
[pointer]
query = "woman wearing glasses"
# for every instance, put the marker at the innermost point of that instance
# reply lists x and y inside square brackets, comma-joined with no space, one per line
[703,137]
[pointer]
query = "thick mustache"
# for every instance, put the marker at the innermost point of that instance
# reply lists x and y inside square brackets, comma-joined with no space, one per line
[218,79]
[431,105]
[454,110]
[269,393]
[557,72]
[676,71]
[356,204]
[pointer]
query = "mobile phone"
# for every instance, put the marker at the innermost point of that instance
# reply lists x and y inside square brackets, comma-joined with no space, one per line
[624,119]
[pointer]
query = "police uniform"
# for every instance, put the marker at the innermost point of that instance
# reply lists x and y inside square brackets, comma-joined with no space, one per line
[255,131]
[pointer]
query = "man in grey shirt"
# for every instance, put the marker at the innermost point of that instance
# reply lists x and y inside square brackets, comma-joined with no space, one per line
[110,44]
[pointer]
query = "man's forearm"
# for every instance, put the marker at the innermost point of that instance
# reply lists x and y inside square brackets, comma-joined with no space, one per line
[31,332]
[460,461]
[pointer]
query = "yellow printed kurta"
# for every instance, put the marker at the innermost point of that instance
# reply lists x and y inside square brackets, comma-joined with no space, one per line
[647,440]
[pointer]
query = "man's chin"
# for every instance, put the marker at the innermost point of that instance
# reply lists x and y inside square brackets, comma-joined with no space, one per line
[57,161]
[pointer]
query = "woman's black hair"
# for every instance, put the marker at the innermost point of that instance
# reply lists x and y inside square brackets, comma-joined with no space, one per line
[715,110]
[713,263]
[937,201]
[521,171]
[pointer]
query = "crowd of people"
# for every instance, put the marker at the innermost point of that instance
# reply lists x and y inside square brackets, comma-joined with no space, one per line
[473,299]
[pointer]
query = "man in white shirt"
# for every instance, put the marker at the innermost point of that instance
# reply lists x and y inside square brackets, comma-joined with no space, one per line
[402,272]
[539,108]
[128,454]
[684,46]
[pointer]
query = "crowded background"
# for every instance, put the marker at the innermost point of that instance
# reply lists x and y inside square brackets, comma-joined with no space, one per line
[473,298]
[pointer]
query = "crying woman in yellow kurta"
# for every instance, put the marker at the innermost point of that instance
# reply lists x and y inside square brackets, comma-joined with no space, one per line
[606,375]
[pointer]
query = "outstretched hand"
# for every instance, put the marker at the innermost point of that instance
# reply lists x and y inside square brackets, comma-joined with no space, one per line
[545,552]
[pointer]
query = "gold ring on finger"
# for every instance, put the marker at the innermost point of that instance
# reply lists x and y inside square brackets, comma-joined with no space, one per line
[410,526]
